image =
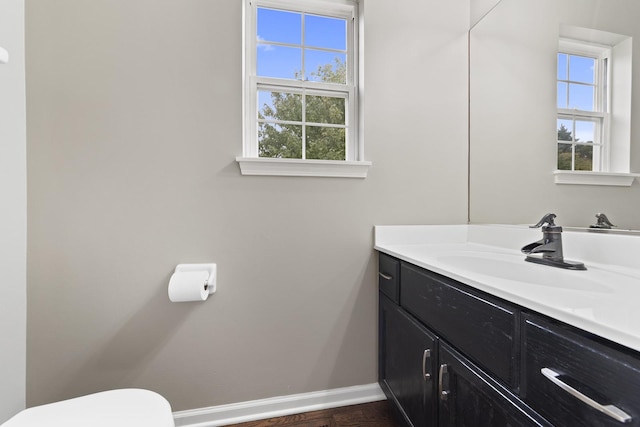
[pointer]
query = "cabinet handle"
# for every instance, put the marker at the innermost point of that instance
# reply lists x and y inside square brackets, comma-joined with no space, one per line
[426,355]
[444,394]
[611,410]
[384,276]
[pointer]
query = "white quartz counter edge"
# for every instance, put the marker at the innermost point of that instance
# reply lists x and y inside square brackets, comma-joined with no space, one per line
[602,300]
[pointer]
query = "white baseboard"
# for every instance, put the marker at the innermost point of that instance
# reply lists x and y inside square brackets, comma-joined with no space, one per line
[278,406]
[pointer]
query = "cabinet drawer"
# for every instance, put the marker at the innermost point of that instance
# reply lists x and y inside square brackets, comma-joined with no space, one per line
[568,375]
[484,330]
[388,272]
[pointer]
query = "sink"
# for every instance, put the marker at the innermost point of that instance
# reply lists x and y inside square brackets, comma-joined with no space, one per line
[602,300]
[514,268]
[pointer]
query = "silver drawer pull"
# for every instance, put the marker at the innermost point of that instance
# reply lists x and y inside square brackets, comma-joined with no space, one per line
[384,276]
[426,355]
[611,410]
[444,394]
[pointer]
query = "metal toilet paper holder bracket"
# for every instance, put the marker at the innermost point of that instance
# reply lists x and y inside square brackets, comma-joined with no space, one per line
[211,284]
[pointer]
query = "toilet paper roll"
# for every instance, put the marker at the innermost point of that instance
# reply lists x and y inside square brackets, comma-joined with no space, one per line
[188,286]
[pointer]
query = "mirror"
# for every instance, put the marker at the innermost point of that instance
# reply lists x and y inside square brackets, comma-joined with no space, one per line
[513,112]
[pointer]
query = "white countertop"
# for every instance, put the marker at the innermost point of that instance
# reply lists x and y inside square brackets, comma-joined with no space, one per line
[603,300]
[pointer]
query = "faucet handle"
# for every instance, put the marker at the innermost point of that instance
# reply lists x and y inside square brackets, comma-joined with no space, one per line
[603,221]
[547,219]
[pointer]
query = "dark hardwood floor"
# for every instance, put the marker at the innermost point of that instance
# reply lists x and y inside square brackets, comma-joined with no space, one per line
[376,414]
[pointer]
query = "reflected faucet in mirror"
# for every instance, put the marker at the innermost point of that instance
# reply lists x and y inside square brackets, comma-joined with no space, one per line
[602,222]
[548,250]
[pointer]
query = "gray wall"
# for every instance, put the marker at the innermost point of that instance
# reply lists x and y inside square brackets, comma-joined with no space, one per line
[513,115]
[13,212]
[134,115]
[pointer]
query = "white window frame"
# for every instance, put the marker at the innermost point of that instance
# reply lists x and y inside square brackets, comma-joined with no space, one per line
[602,99]
[250,163]
[615,160]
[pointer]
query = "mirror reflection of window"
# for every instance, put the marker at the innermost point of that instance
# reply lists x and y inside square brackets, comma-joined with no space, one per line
[582,105]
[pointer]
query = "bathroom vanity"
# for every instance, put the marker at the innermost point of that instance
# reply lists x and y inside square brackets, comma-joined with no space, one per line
[471,335]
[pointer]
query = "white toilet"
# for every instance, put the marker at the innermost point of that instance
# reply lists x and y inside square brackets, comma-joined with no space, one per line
[121,408]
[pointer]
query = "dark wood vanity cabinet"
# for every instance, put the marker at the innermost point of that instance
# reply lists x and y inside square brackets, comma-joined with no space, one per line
[450,355]
[437,341]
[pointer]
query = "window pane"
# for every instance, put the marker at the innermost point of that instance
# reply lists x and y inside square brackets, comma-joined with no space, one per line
[582,69]
[581,97]
[565,155]
[565,130]
[282,141]
[325,109]
[562,95]
[279,106]
[322,66]
[279,26]
[266,108]
[324,143]
[585,131]
[321,31]
[279,61]
[584,157]
[562,66]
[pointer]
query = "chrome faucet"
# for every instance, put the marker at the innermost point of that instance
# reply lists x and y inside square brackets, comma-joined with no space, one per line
[550,246]
[602,222]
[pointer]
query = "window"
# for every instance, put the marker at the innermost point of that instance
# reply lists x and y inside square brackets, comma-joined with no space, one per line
[594,79]
[582,101]
[301,88]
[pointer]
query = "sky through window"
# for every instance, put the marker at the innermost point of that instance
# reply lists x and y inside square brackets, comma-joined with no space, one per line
[290,43]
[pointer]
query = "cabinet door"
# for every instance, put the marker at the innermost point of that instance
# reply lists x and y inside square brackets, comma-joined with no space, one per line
[469,398]
[407,364]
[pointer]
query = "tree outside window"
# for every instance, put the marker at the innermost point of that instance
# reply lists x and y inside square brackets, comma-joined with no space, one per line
[283,125]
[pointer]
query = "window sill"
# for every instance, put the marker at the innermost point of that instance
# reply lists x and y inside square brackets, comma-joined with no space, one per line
[595,178]
[297,167]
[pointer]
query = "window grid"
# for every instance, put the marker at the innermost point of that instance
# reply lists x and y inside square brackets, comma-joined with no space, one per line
[597,114]
[596,145]
[262,84]
[304,122]
[303,85]
[303,46]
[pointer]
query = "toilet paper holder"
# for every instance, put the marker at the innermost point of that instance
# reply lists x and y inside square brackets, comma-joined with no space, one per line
[211,283]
